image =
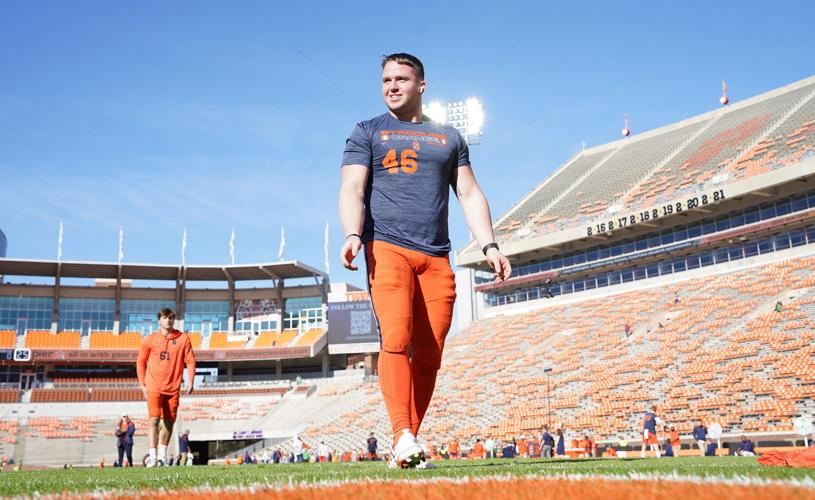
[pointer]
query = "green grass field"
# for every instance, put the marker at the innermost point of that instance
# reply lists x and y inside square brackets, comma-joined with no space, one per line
[171,478]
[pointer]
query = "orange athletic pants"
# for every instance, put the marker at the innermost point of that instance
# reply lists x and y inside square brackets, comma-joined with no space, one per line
[412,295]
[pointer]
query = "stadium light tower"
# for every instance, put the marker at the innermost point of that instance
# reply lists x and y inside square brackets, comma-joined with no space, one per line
[465,116]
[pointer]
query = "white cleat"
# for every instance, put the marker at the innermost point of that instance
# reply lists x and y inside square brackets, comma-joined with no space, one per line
[407,453]
[151,462]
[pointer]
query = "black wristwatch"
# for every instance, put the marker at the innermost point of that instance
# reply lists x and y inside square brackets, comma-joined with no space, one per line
[488,246]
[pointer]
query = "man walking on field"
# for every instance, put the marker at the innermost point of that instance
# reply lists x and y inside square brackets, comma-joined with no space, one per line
[160,368]
[397,170]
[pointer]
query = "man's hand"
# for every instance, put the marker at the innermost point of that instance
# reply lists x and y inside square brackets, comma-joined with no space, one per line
[349,251]
[189,390]
[499,264]
[143,391]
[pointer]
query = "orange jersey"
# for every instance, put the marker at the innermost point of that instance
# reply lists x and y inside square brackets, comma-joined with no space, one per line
[454,448]
[161,362]
[478,450]
[522,447]
[674,437]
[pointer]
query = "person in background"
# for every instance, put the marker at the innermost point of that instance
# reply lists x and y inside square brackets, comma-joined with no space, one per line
[124,439]
[700,436]
[649,432]
[522,450]
[746,448]
[676,441]
[489,446]
[322,452]
[588,446]
[509,449]
[547,443]
[297,448]
[478,449]
[561,443]
[372,446]
[184,446]
[454,449]
[668,450]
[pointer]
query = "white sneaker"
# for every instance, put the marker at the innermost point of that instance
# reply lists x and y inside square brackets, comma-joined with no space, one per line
[407,453]
[160,462]
[151,462]
[392,463]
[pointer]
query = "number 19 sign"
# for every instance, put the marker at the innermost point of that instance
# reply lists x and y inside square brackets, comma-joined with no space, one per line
[655,213]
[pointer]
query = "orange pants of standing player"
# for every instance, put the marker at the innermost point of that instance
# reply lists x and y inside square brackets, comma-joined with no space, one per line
[412,295]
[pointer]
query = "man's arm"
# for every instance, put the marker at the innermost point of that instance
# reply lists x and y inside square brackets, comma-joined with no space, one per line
[189,360]
[141,364]
[352,211]
[477,212]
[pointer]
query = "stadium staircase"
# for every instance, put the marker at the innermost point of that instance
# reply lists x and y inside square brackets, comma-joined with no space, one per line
[585,175]
[250,344]
[85,342]
[19,444]
[205,341]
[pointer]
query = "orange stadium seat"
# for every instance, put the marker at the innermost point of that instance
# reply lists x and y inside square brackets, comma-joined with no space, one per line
[219,340]
[107,340]
[699,365]
[311,336]
[36,339]
[7,339]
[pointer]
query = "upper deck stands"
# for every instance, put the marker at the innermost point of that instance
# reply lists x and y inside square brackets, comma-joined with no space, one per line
[743,140]
[557,184]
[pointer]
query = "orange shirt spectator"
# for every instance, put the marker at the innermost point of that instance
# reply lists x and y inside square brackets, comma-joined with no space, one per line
[522,447]
[587,446]
[610,452]
[676,443]
[478,449]
[454,449]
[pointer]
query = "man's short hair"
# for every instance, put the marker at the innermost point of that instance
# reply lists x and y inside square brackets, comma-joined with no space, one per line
[405,58]
[166,313]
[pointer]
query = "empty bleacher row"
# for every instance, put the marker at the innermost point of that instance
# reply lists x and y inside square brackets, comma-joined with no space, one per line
[102,393]
[36,339]
[734,143]
[711,348]
[7,339]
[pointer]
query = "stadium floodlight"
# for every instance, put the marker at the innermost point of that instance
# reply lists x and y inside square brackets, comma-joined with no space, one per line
[436,111]
[465,116]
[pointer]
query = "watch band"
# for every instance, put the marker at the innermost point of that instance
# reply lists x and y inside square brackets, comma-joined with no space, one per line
[488,246]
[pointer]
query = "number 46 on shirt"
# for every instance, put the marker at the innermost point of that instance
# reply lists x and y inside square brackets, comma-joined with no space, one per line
[407,161]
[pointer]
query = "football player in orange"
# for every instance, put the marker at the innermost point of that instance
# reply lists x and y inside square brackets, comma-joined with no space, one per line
[160,368]
[397,171]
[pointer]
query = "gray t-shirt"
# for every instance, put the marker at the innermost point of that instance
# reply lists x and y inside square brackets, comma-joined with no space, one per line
[407,194]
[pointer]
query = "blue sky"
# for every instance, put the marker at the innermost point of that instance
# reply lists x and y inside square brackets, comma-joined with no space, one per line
[207,115]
